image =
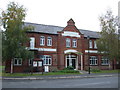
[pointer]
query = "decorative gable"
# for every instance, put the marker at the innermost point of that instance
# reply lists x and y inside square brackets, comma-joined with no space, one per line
[71,30]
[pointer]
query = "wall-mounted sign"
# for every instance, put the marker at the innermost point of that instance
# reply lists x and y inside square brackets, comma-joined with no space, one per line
[46,68]
[34,63]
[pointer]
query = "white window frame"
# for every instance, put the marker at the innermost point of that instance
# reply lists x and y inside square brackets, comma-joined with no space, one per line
[18,64]
[45,58]
[74,43]
[49,41]
[68,42]
[90,44]
[95,45]
[104,60]
[93,60]
[42,40]
[32,42]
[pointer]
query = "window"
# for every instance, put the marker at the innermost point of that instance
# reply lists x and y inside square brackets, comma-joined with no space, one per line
[104,60]
[32,42]
[46,59]
[95,45]
[30,62]
[67,42]
[93,60]
[74,43]
[49,41]
[17,61]
[42,40]
[90,43]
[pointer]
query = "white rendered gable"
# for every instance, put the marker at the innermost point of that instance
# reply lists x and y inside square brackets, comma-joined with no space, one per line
[72,34]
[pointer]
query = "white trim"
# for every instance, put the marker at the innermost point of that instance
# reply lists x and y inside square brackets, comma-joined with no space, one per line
[72,34]
[70,50]
[17,64]
[43,49]
[47,49]
[91,51]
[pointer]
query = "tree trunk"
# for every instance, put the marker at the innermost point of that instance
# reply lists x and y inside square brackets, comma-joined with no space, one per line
[11,71]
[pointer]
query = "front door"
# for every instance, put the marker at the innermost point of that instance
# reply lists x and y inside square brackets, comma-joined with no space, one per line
[71,60]
[74,63]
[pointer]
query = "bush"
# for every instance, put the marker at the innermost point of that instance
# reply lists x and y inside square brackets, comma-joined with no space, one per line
[69,71]
[95,70]
[69,68]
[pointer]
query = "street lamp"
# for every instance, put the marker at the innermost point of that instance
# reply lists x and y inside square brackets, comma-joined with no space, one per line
[88,38]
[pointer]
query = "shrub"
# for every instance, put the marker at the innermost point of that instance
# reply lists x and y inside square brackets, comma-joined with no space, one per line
[69,71]
[95,70]
[69,68]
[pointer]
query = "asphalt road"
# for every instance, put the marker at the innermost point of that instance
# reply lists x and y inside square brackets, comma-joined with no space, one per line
[101,82]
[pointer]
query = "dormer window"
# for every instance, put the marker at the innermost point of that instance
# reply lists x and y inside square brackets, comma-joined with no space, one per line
[67,42]
[74,42]
[90,43]
[42,40]
[49,41]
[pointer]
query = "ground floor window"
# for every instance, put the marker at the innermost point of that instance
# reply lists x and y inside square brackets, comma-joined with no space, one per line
[17,61]
[93,60]
[104,60]
[47,59]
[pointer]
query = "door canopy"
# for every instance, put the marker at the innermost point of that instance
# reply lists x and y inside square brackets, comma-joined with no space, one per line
[70,51]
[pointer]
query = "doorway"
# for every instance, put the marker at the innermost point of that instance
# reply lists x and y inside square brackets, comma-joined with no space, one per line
[71,60]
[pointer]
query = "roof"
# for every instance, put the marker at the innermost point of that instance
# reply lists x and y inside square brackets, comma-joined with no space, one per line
[50,29]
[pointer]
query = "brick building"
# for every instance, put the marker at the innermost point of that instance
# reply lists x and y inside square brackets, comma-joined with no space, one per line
[60,47]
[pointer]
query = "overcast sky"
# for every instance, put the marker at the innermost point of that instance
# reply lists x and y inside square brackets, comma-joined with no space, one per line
[85,13]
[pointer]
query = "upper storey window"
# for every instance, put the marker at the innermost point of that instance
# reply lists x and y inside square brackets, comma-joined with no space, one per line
[42,40]
[67,42]
[90,44]
[95,44]
[49,41]
[74,43]
[32,42]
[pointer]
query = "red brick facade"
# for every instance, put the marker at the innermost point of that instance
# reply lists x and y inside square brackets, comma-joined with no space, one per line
[60,55]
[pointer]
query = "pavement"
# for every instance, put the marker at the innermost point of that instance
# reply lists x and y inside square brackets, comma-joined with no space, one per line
[84,75]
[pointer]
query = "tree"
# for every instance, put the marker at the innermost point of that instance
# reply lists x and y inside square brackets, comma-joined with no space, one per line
[108,42]
[14,37]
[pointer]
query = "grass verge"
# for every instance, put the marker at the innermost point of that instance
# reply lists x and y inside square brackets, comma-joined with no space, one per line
[37,74]
[106,71]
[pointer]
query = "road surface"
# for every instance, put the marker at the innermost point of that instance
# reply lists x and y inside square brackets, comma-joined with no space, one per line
[100,82]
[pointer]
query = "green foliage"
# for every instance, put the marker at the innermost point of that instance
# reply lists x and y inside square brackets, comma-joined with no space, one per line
[69,71]
[95,70]
[69,68]
[108,43]
[14,37]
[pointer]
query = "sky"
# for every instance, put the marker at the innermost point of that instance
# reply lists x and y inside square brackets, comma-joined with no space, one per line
[85,13]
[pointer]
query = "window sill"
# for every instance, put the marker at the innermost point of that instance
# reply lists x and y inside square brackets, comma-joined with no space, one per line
[17,65]
[49,45]
[93,65]
[104,64]
[46,64]
[42,45]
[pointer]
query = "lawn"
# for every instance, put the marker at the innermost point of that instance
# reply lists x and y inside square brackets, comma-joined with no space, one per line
[106,71]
